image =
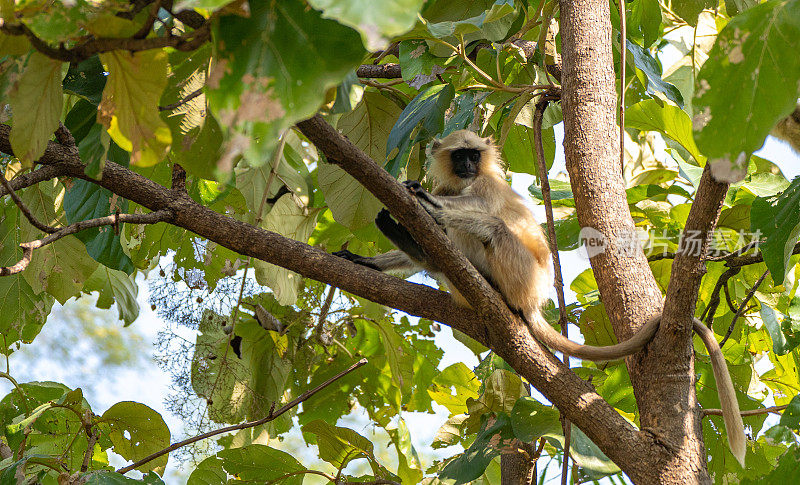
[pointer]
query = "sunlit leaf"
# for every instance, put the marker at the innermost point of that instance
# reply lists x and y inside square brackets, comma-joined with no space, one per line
[129,107]
[137,431]
[755,56]
[36,101]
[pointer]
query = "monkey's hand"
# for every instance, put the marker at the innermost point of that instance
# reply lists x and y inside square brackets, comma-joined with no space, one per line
[355,258]
[427,200]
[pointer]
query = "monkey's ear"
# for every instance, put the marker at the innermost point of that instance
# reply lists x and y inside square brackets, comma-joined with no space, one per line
[437,144]
[488,140]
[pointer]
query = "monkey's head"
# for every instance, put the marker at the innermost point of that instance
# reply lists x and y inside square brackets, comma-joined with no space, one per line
[460,157]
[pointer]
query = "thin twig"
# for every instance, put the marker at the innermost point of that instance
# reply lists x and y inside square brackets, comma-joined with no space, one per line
[24,209]
[29,247]
[89,450]
[82,51]
[538,116]
[713,303]
[250,424]
[749,412]
[46,172]
[183,101]
[742,308]
[151,19]
[323,313]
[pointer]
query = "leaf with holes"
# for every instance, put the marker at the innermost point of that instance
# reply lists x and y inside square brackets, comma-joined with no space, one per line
[136,431]
[755,58]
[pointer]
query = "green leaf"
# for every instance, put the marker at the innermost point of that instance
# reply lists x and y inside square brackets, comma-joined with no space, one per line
[644,20]
[655,115]
[289,219]
[778,218]
[86,80]
[115,287]
[375,19]
[689,10]
[339,446]
[494,435]
[137,431]
[15,433]
[482,19]
[755,56]
[453,386]
[649,65]
[366,126]
[24,310]
[520,149]
[86,200]
[417,64]
[129,107]
[791,415]
[263,87]
[208,472]
[427,109]
[502,390]
[36,100]
[106,477]
[531,420]
[780,344]
[588,456]
[259,464]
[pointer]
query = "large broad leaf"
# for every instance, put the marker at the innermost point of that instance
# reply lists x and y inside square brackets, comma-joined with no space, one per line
[136,431]
[482,19]
[129,108]
[417,64]
[36,100]
[274,67]
[495,435]
[781,343]
[791,415]
[115,287]
[289,219]
[428,109]
[520,150]
[655,115]
[339,446]
[60,268]
[778,218]
[85,200]
[259,464]
[375,19]
[367,126]
[453,386]
[648,64]
[754,60]
[24,310]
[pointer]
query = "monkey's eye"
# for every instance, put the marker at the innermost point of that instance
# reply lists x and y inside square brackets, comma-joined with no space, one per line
[474,156]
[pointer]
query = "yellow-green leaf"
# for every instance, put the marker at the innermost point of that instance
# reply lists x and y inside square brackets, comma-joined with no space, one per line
[36,101]
[289,219]
[129,108]
[137,431]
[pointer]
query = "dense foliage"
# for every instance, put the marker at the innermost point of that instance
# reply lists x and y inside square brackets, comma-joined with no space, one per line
[214,88]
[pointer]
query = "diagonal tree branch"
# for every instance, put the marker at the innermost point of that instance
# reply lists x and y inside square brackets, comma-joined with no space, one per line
[503,333]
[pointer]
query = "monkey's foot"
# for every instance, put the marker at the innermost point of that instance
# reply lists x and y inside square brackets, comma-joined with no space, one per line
[355,258]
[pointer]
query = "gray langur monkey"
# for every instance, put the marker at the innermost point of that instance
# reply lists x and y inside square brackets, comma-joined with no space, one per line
[496,231]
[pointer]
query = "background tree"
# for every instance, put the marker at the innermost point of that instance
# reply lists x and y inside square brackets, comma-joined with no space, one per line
[234,145]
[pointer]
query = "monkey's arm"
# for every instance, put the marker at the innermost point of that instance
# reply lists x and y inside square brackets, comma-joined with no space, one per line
[468,201]
[400,237]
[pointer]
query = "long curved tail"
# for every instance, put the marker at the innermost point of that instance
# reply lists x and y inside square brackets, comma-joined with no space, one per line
[727,396]
[546,334]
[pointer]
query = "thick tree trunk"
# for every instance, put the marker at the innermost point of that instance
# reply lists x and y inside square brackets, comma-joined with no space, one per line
[662,377]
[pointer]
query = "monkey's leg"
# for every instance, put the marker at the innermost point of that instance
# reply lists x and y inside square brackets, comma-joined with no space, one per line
[486,228]
[400,237]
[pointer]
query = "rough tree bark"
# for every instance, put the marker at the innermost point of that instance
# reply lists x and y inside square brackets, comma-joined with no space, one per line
[663,374]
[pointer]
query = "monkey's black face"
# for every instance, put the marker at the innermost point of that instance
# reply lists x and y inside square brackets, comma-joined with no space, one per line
[465,162]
